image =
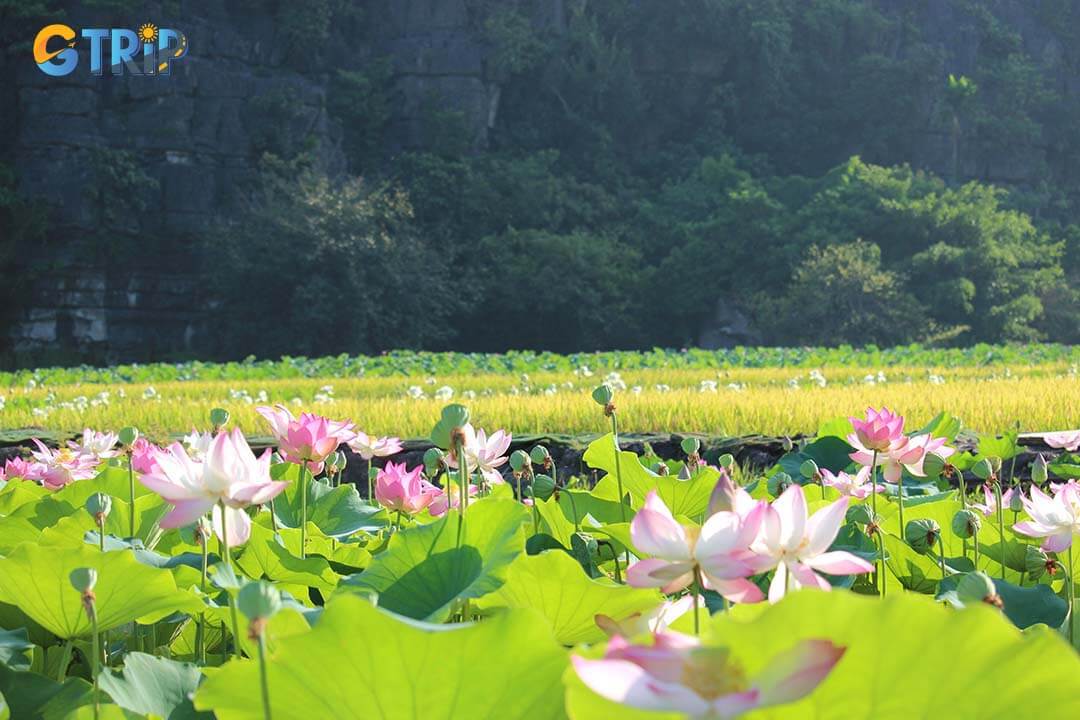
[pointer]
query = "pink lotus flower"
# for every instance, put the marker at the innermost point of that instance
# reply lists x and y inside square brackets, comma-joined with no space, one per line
[719,551]
[909,453]
[404,491]
[198,443]
[98,444]
[726,495]
[230,475]
[144,456]
[1067,440]
[656,620]
[1055,518]
[857,486]
[990,507]
[17,467]
[882,431]
[447,498]
[799,546]
[308,439]
[369,446]
[679,674]
[484,454]
[56,468]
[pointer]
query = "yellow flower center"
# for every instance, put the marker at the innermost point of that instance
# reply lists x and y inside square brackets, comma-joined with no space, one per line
[711,673]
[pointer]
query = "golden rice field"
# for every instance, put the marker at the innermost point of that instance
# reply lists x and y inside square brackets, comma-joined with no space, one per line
[771,401]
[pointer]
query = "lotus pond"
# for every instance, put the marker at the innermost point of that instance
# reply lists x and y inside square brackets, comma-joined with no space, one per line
[875,571]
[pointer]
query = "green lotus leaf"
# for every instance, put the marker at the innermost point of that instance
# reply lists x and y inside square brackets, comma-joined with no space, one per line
[337,512]
[362,662]
[154,686]
[554,585]
[35,578]
[423,572]
[689,498]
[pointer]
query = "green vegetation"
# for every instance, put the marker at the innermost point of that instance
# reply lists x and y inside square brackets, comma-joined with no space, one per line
[649,162]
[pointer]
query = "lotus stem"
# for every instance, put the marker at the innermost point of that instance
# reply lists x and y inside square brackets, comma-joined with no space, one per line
[200,632]
[265,681]
[302,482]
[618,471]
[65,658]
[228,563]
[96,664]
[1072,591]
[696,590]
[1001,524]
[131,494]
[941,555]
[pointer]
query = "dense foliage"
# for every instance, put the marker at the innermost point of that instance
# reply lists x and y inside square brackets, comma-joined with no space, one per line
[650,163]
[200,581]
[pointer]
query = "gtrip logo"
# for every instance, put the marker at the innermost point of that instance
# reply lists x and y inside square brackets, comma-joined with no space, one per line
[156,50]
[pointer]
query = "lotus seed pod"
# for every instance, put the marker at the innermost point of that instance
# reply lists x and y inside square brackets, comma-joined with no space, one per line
[219,417]
[995,464]
[726,461]
[258,600]
[661,468]
[455,415]
[809,469]
[975,587]
[691,446]
[543,487]
[128,436]
[99,505]
[519,460]
[860,513]
[603,394]
[982,469]
[966,523]
[83,579]
[933,465]
[539,455]
[1036,561]
[778,483]
[1039,473]
[433,460]
[922,534]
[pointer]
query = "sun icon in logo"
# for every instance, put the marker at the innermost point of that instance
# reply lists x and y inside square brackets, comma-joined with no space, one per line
[148,33]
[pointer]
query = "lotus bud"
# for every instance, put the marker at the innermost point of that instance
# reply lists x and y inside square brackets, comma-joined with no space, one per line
[726,461]
[778,483]
[543,487]
[685,473]
[335,463]
[219,417]
[966,523]
[433,460]
[983,469]
[99,505]
[83,579]
[933,465]
[723,494]
[603,395]
[540,456]
[203,529]
[520,461]
[809,470]
[258,600]
[787,444]
[860,513]
[1039,472]
[922,534]
[128,436]
[1037,562]
[1016,500]
[276,458]
[977,587]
